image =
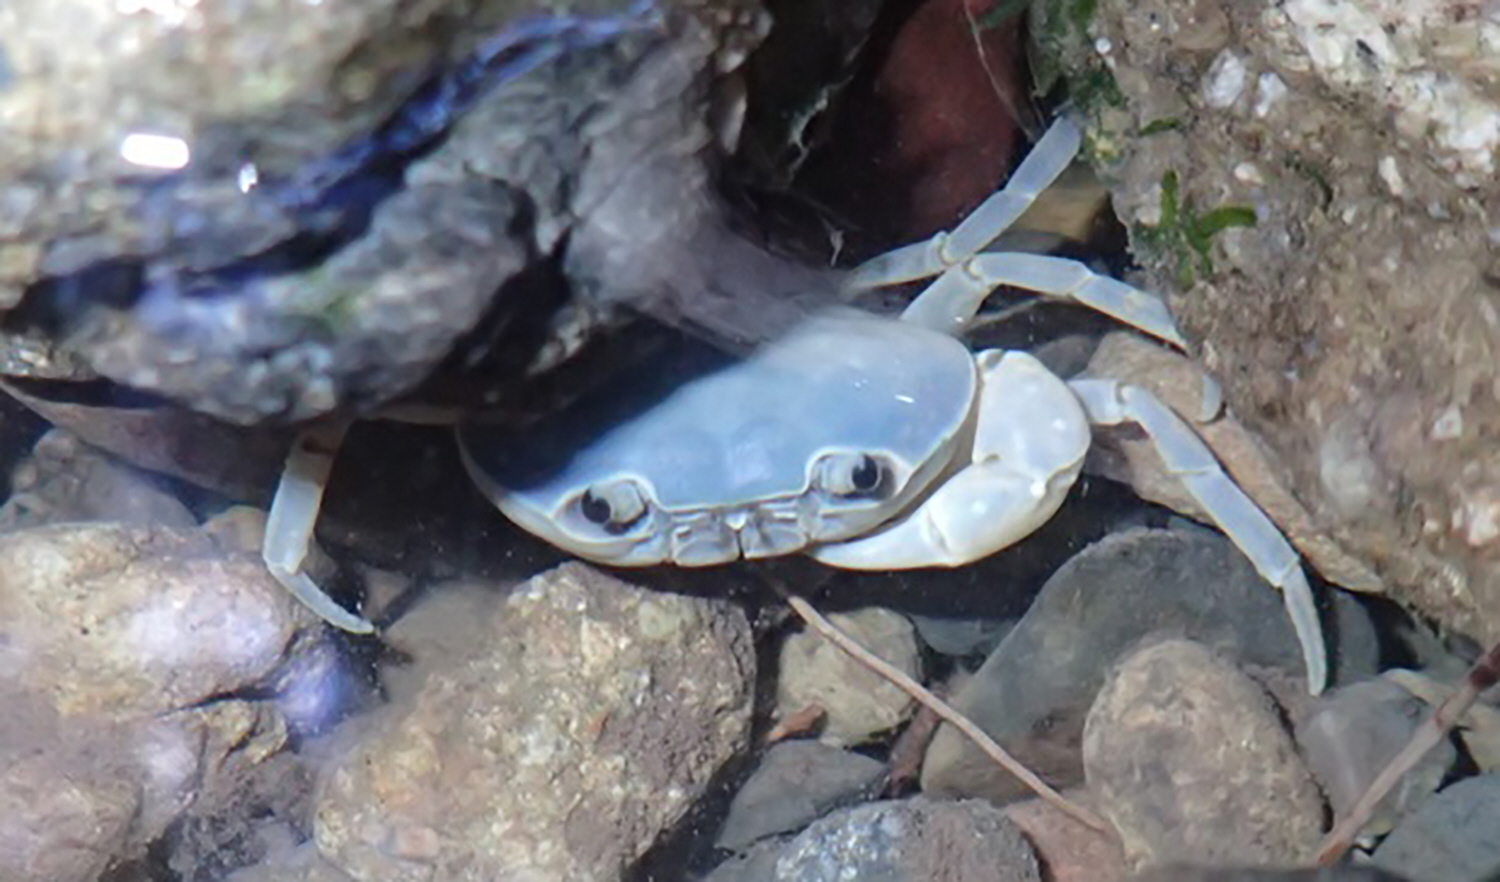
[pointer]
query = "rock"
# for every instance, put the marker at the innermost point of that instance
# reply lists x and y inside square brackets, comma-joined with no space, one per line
[560,746]
[915,839]
[65,480]
[121,647]
[758,864]
[1071,851]
[1350,736]
[859,703]
[126,622]
[1033,692]
[1450,838]
[1188,758]
[1479,729]
[1341,299]
[961,636]
[796,783]
[1132,459]
[1207,874]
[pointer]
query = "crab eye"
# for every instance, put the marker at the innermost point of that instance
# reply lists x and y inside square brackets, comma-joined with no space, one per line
[615,506]
[857,475]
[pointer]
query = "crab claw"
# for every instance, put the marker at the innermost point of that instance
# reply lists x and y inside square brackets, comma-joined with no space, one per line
[1016,478]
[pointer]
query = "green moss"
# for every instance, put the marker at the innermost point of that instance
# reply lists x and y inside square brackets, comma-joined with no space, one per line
[1185,236]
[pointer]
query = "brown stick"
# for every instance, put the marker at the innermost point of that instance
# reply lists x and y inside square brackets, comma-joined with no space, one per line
[849,645]
[1484,674]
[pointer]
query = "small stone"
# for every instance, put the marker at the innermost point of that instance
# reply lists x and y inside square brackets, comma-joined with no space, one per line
[1033,693]
[1351,735]
[796,783]
[66,481]
[859,703]
[1188,759]
[1070,850]
[1451,837]
[911,841]
[586,720]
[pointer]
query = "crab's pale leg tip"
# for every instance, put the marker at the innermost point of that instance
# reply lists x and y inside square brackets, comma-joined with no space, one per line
[307,592]
[1298,597]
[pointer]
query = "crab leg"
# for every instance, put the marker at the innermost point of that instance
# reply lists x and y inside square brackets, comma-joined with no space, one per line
[1048,159]
[1110,403]
[294,513]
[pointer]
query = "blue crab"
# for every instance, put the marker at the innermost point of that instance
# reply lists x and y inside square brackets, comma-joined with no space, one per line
[865,441]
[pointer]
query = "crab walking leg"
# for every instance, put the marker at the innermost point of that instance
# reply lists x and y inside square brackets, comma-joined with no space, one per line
[951,301]
[294,513]
[1048,159]
[1030,437]
[1110,403]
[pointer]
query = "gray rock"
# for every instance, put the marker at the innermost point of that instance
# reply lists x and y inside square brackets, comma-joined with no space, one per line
[1188,758]
[961,637]
[1351,734]
[1209,874]
[1033,692]
[910,841]
[65,480]
[587,720]
[756,865]
[1451,838]
[796,783]
[859,703]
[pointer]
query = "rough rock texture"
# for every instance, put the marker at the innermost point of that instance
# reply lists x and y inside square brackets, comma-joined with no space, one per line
[1033,693]
[858,703]
[1355,324]
[1188,758]
[908,841]
[112,639]
[66,480]
[586,721]
[354,183]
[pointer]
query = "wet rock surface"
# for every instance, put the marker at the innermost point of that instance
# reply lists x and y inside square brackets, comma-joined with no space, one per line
[857,703]
[1450,837]
[1033,692]
[560,747]
[796,783]
[1190,762]
[910,840]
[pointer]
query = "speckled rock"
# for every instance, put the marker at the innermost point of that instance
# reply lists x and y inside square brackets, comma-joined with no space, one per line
[1312,185]
[858,702]
[1188,759]
[113,640]
[1034,691]
[587,721]
[132,621]
[910,841]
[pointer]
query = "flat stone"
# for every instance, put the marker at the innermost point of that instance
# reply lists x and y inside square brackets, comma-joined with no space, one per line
[1451,838]
[796,783]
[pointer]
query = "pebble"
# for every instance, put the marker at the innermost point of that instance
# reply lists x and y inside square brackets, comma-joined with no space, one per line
[1033,693]
[1350,736]
[1188,759]
[859,704]
[796,783]
[585,722]
[913,840]
[1451,837]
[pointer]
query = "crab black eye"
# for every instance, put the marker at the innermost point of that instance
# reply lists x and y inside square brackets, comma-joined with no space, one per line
[614,505]
[866,475]
[595,509]
[853,475]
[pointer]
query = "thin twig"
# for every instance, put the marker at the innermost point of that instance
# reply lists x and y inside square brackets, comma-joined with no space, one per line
[1484,674]
[819,623]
